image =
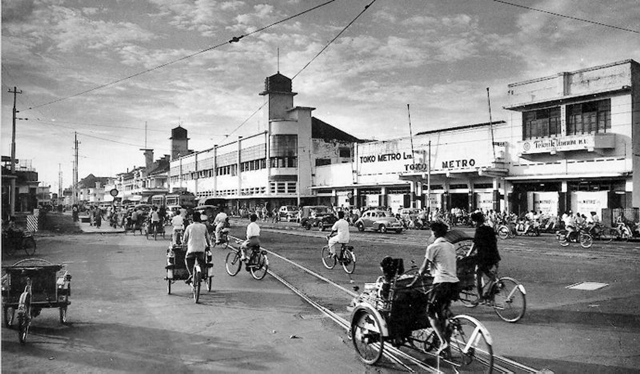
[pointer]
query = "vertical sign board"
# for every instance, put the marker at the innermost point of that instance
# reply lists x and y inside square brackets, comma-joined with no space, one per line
[547,202]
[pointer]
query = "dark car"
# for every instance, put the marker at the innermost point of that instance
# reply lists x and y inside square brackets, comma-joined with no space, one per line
[320,216]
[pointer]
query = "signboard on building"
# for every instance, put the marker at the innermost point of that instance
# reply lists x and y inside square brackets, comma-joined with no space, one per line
[584,202]
[566,143]
[547,202]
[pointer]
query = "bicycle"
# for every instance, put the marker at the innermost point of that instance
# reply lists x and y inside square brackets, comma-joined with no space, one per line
[580,236]
[505,295]
[198,274]
[346,258]
[22,241]
[257,263]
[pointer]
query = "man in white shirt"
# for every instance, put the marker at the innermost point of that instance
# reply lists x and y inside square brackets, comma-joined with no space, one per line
[253,236]
[178,226]
[197,239]
[219,222]
[341,229]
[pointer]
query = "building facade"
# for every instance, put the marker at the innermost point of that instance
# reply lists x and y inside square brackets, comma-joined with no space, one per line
[578,147]
[273,167]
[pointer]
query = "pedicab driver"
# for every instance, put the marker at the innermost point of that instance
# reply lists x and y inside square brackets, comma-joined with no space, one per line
[341,229]
[197,239]
[442,255]
[253,236]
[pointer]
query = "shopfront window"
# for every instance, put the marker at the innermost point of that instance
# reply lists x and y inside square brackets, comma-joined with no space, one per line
[587,118]
[541,123]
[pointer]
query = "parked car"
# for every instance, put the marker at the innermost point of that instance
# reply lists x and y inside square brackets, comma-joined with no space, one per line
[288,213]
[409,213]
[319,216]
[378,220]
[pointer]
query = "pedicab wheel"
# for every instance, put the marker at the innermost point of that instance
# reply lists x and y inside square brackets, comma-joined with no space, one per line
[260,267]
[23,328]
[9,314]
[586,240]
[503,232]
[327,260]
[470,345]
[168,286]
[30,246]
[609,235]
[563,240]
[195,286]
[8,249]
[509,300]
[349,261]
[63,314]
[366,337]
[232,263]
[209,281]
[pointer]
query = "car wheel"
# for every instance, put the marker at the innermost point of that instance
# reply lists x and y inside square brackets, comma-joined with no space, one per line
[360,227]
[383,229]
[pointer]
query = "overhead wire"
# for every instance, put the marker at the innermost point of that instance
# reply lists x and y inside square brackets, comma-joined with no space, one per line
[565,16]
[310,62]
[234,39]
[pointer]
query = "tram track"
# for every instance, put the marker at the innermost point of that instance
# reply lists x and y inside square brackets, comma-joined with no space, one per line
[409,362]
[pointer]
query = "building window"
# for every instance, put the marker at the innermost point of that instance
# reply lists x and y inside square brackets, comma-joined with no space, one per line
[284,146]
[591,117]
[541,123]
[345,152]
[323,161]
[284,162]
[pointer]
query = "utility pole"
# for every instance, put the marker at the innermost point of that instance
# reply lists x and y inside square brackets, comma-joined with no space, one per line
[60,197]
[74,187]
[12,198]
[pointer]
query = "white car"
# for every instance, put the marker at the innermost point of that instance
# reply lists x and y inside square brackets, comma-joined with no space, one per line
[288,213]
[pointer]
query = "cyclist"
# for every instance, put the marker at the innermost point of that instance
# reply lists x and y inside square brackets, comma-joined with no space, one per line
[155,219]
[253,236]
[220,222]
[341,229]
[442,255]
[569,224]
[197,239]
[178,226]
[485,245]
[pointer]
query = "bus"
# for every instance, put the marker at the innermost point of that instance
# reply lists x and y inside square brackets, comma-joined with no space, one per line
[183,199]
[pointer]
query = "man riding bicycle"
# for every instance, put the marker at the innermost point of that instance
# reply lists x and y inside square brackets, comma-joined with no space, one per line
[341,229]
[197,239]
[442,255]
[253,237]
[485,245]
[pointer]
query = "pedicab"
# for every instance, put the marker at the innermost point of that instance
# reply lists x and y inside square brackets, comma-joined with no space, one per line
[30,285]
[177,270]
[393,311]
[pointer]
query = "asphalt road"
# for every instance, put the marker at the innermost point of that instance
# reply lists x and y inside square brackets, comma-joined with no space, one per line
[122,320]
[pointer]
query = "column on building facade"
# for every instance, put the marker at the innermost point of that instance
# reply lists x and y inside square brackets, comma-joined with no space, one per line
[382,200]
[268,162]
[214,175]
[471,196]
[496,194]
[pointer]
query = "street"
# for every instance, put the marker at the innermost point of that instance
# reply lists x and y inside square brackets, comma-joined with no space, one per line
[122,320]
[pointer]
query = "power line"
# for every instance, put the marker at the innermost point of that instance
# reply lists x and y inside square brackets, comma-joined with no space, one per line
[235,39]
[565,16]
[310,61]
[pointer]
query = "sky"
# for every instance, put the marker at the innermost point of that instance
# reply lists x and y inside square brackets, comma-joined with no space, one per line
[120,74]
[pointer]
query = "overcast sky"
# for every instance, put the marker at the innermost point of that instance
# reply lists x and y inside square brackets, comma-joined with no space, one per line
[78,65]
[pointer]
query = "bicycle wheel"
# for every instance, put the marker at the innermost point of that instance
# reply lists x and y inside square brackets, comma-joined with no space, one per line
[586,240]
[169,286]
[232,262]
[348,261]
[29,246]
[509,299]
[328,261]
[470,344]
[195,286]
[155,233]
[367,337]
[63,314]
[503,232]
[260,266]
[9,314]
[562,239]
[462,250]
[24,317]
